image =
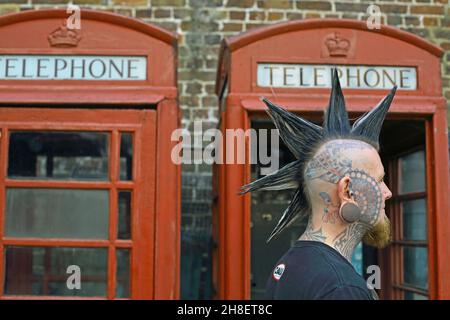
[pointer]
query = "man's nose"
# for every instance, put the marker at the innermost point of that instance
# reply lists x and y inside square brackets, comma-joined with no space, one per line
[387,192]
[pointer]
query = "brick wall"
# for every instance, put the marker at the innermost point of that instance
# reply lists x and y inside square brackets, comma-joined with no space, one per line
[202,24]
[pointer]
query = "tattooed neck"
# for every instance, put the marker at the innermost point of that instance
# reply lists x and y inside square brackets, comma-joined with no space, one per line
[344,241]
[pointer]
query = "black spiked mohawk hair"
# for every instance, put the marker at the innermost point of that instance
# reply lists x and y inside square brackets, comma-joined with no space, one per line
[303,138]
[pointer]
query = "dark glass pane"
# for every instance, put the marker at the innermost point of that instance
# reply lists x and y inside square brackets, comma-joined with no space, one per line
[123,273]
[412,172]
[414,219]
[44,271]
[415,266]
[57,213]
[414,296]
[124,230]
[126,156]
[58,155]
[196,244]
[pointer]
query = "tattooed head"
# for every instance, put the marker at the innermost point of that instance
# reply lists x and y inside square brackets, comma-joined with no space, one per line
[308,142]
[348,170]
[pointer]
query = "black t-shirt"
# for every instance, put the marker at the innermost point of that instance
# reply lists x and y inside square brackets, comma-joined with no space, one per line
[312,270]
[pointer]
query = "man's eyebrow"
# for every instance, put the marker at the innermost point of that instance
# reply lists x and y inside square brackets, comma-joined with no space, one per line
[381,176]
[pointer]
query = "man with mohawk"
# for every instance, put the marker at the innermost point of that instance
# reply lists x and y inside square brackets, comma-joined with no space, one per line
[338,177]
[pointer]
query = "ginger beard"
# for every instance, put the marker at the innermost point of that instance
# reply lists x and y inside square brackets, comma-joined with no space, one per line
[379,235]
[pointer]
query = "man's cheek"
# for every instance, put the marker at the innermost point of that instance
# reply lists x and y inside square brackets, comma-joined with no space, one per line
[368,196]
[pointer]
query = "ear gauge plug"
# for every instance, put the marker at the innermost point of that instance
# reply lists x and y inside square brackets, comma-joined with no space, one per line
[349,210]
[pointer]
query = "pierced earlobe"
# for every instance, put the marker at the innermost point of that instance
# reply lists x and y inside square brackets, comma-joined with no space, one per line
[349,210]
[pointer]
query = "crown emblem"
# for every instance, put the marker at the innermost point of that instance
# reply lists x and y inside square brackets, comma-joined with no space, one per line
[64,37]
[337,46]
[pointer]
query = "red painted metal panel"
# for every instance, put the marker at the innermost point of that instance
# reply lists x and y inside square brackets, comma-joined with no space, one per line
[144,221]
[102,33]
[439,169]
[303,42]
[168,215]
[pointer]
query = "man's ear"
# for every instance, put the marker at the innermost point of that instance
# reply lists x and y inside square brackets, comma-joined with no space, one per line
[349,210]
[344,189]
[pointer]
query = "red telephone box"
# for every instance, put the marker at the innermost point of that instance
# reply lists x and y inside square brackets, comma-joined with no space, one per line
[289,63]
[87,185]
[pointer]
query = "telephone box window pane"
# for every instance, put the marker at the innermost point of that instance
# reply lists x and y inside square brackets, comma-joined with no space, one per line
[58,155]
[124,230]
[123,273]
[414,220]
[415,266]
[126,156]
[57,213]
[412,169]
[414,296]
[43,271]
